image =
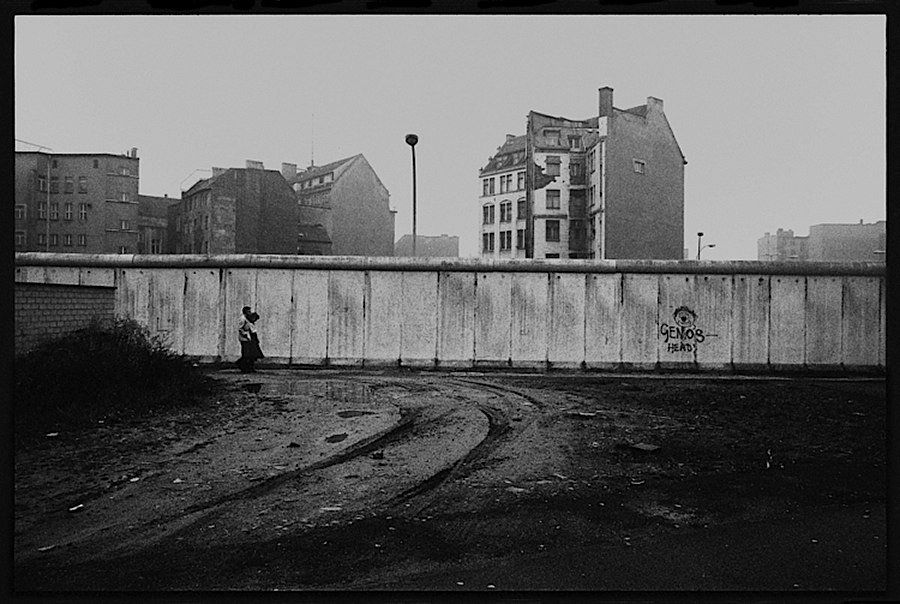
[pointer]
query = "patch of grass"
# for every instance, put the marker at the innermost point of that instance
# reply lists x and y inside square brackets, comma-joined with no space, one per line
[107,369]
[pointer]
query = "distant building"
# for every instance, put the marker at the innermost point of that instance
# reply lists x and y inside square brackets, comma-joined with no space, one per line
[827,243]
[781,246]
[92,197]
[610,186]
[442,246]
[313,240]
[348,199]
[237,211]
[153,222]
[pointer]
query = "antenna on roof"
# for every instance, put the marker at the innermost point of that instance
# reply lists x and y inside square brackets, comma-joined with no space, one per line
[312,144]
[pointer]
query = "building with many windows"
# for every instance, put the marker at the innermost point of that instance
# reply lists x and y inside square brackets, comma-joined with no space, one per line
[347,198]
[236,211]
[610,186]
[76,202]
[863,242]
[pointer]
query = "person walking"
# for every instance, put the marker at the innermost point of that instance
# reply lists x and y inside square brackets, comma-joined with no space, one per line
[247,336]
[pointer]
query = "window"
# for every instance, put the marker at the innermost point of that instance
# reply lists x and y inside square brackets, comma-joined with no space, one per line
[70,185]
[156,246]
[552,230]
[520,239]
[68,213]
[506,183]
[55,163]
[552,137]
[552,199]
[123,225]
[82,184]
[96,163]
[54,184]
[54,239]
[206,222]
[21,239]
[67,240]
[592,157]
[82,240]
[42,211]
[54,211]
[123,249]
[520,209]
[506,211]
[487,186]
[488,213]
[82,211]
[42,239]
[552,165]
[576,170]
[551,255]
[487,242]
[124,171]
[520,181]
[123,196]
[42,183]
[21,212]
[639,166]
[575,143]
[505,240]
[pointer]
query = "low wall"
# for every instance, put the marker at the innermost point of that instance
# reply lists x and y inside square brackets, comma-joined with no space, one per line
[515,313]
[45,310]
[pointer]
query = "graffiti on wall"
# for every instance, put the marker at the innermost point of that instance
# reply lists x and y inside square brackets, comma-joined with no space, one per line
[683,335]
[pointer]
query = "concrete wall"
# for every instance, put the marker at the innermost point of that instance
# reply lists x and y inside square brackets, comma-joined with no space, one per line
[473,313]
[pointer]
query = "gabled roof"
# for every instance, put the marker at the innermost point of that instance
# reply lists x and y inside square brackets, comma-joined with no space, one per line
[207,183]
[640,110]
[511,154]
[338,167]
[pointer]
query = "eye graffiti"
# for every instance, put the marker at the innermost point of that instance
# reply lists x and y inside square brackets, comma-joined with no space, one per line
[684,335]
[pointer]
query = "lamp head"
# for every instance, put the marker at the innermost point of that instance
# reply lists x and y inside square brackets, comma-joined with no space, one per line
[411,140]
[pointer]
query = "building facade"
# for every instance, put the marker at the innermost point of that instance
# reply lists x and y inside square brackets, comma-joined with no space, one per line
[348,199]
[862,242]
[77,202]
[430,246]
[153,224]
[610,186]
[237,211]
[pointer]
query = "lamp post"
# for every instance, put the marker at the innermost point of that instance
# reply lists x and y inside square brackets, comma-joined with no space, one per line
[411,140]
[701,248]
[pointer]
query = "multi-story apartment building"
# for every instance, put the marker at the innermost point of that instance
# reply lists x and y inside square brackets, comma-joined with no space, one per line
[606,187]
[348,199]
[863,242]
[77,202]
[153,223]
[237,211]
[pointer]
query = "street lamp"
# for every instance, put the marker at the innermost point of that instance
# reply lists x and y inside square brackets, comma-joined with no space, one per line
[701,248]
[411,140]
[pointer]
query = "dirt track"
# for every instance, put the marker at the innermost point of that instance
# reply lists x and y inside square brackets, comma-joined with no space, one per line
[332,479]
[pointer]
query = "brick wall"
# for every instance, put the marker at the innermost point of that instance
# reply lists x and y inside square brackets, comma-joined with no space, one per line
[45,310]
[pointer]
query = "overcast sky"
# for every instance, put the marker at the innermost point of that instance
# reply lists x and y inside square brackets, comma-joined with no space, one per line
[781,118]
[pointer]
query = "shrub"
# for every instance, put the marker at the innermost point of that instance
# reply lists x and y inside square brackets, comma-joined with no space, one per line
[107,369]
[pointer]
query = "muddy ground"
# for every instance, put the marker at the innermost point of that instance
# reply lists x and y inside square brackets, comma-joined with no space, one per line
[397,480]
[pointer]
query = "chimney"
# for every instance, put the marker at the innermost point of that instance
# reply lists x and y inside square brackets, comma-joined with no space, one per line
[254,165]
[654,104]
[606,101]
[216,171]
[289,171]
[134,152]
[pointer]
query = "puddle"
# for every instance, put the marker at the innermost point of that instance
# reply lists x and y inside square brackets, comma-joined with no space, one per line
[253,387]
[336,438]
[354,413]
[335,391]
